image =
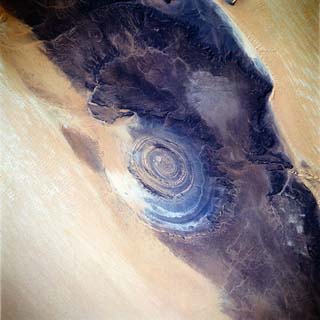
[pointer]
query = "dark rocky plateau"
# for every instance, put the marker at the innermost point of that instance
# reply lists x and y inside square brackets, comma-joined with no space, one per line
[208,152]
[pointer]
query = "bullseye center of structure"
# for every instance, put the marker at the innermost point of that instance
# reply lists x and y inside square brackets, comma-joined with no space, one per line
[181,197]
[162,167]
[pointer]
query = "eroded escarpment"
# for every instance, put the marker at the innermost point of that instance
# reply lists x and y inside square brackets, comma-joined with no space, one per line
[206,149]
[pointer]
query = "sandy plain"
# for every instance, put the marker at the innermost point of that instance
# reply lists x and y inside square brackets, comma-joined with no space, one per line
[58,261]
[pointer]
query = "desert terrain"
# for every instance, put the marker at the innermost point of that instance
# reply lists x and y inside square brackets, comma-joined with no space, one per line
[73,245]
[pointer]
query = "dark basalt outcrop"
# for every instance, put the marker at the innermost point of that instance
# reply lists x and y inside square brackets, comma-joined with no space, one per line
[207,151]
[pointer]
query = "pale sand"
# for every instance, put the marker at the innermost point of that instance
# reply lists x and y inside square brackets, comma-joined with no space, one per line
[72,249]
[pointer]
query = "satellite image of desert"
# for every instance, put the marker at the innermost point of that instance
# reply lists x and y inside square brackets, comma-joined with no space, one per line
[160,159]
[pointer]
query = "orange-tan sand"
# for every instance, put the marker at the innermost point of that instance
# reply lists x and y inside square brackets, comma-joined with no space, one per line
[285,35]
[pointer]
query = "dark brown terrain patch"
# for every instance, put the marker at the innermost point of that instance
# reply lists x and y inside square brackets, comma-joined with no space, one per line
[84,148]
[304,165]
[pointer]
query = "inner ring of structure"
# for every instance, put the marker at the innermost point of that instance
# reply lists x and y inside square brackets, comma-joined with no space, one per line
[181,196]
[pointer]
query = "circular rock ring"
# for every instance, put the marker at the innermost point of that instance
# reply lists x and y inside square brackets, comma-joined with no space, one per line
[162,167]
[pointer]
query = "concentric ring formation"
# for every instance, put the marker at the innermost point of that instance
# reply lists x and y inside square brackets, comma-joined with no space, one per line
[181,198]
[162,166]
